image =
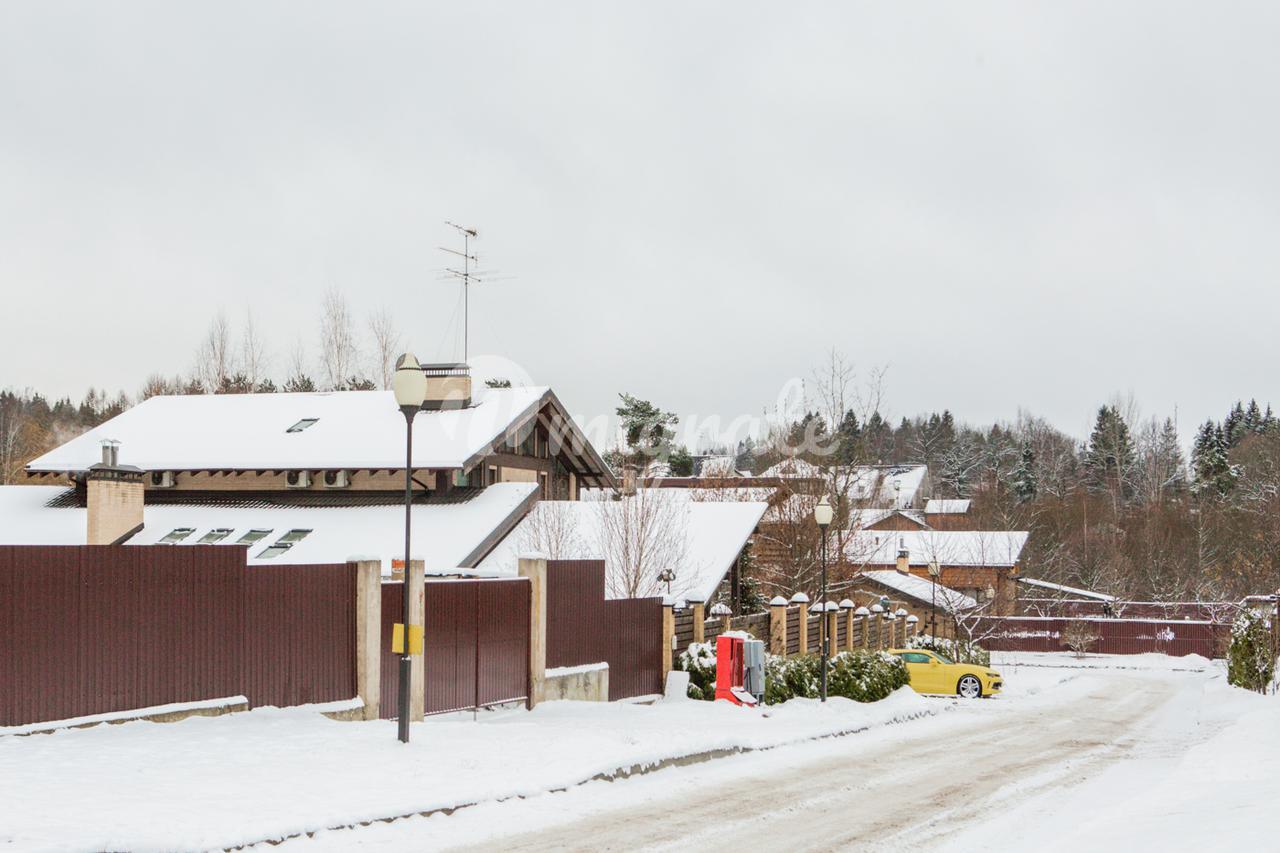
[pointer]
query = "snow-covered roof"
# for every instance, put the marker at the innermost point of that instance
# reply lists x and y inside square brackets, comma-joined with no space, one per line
[949,547]
[923,590]
[862,518]
[792,466]
[718,466]
[352,430]
[1067,590]
[701,539]
[952,506]
[445,535]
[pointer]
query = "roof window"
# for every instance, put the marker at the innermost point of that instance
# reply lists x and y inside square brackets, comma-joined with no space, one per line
[217,534]
[302,424]
[177,535]
[284,543]
[253,536]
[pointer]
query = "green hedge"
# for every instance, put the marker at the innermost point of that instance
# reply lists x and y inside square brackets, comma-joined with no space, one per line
[863,676]
[1250,661]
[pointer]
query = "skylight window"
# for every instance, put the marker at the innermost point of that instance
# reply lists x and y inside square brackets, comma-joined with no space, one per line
[253,536]
[302,424]
[284,543]
[217,534]
[177,535]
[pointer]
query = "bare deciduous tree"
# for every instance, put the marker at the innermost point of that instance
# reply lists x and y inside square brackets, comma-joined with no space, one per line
[641,536]
[215,358]
[386,345]
[338,353]
[253,354]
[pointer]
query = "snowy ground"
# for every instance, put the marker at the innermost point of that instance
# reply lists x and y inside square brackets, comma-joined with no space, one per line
[1124,753]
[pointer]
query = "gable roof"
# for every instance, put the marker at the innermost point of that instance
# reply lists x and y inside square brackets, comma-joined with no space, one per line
[713,534]
[922,590]
[989,548]
[352,430]
[937,506]
[446,535]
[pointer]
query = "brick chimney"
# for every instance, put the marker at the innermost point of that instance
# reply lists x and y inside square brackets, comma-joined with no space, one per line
[904,558]
[114,498]
[448,386]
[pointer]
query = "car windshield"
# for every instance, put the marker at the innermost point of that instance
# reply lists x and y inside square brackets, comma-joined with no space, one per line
[943,657]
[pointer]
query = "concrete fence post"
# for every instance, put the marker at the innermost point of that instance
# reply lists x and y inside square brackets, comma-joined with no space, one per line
[418,663]
[778,626]
[802,614]
[724,613]
[863,616]
[877,625]
[699,611]
[901,622]
[368,635]
[832,616]
[846,614]
[534,567]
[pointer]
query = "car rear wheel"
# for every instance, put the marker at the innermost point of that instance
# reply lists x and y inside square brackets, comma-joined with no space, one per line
[969,687]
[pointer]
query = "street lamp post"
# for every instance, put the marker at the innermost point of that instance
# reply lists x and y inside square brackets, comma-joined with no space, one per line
[822,514]
[934,571]
[409,384]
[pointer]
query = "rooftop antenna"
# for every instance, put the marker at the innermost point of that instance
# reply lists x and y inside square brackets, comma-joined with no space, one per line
[466,276]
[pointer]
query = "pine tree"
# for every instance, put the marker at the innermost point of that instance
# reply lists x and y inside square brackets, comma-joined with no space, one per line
[680,462]
[1024,476]
[1253,418]
[1171,465]
[1109,459]
[1213,471]
[1233,426]
[849,436]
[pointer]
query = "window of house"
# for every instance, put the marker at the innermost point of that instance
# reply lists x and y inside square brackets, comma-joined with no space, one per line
[284,543]
[217,534]
[542,486]
[302,424]
[492,475]
[461,479]
[253,536]
[177,535]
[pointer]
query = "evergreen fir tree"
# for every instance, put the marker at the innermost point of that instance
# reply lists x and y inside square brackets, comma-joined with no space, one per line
[1109,459]
[850,439]
[680,462]
[1253,418]
[1024,477]
[1209,462]
[1233,426]
[1172,467]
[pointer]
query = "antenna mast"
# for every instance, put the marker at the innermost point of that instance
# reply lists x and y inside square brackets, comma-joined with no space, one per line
[466,276]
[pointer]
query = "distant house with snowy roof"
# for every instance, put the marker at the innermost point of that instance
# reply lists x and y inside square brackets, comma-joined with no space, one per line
[982,564]
[310,477]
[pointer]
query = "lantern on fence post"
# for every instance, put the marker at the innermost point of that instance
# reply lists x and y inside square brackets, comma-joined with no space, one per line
[409,385]
[667,576]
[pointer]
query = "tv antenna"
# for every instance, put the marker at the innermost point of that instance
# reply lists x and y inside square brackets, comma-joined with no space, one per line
[465,275]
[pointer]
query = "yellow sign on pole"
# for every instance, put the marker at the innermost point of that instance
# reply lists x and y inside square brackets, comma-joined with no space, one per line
[415,639]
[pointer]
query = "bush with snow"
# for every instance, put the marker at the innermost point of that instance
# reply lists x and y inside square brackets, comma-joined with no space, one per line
[863,676]
[1251,661]
[960,651]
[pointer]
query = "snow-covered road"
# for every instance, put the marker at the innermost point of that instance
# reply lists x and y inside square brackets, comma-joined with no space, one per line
[1070,756]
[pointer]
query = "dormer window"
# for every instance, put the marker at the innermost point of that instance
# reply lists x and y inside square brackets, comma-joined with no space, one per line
[253,536]
[302,424]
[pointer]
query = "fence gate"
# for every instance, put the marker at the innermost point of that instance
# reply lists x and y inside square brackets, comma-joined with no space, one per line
[475,644]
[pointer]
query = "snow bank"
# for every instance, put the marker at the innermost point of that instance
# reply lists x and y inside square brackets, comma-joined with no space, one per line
[270,773]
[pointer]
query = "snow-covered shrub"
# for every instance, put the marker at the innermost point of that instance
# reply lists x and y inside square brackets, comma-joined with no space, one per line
[699,660]
[863,676]
[1079,636]
[960,651]
[1251,662]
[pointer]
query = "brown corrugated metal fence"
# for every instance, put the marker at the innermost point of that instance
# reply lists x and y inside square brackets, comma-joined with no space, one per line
[87,630]
[476,644]
[1115,636]
[583,627]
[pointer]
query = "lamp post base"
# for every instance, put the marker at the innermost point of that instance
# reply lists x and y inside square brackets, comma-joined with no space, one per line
[406,669]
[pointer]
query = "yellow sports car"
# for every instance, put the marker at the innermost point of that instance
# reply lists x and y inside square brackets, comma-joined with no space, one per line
[934,673]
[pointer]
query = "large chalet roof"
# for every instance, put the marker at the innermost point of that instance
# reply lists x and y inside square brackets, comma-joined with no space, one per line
[359,430]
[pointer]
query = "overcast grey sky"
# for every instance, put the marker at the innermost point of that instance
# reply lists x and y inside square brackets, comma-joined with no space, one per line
[1008,204]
